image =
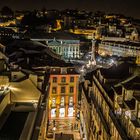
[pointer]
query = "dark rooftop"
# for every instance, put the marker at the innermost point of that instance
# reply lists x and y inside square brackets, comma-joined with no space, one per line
[118,90]
[116,72]
[27,53]
[57,35]
[133,84]
[12,129]
[136,123]
[130,104]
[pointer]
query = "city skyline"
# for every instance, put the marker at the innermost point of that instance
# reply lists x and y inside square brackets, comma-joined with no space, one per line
[129,7]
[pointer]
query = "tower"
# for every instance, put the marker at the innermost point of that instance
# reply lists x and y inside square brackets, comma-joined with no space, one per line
[93,60]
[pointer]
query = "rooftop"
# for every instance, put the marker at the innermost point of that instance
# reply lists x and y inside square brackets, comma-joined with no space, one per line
[57,35]
[24,91]
[133,83]
[116,72]
[13,127]
[29,54]
[130,104]
[129,43]
[118,90]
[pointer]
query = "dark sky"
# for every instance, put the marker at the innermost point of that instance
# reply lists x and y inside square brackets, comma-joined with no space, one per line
[127,7]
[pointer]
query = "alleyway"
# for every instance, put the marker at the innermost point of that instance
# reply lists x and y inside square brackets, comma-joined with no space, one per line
[67,129]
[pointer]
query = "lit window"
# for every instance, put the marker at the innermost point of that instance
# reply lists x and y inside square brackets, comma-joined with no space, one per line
[62,101]
[70,101]
[53,102]
[70,111]
[54,90]
[53,112]
[54,79]
[62,112]
[71,79]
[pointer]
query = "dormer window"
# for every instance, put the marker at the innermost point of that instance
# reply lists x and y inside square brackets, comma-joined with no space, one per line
[63,70]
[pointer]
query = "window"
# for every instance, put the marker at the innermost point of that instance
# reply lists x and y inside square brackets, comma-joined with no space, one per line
[54,79]
[53,112]
[70,111]
[71,79]
[70,101]
[54,89]
[62,89]
[63,79]
[62,102]
[71,89]
[62,112]
[53,102]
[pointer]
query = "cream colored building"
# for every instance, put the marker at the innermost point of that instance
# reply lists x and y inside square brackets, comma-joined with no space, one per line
[119,48]
[114,106]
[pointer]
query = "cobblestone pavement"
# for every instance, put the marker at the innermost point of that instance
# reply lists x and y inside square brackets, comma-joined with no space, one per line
[65,126]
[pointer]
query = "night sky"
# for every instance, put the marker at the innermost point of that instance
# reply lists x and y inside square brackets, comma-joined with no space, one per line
[127,7]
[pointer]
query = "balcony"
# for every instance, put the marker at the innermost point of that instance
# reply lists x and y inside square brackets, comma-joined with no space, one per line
[118,125]
[98,110]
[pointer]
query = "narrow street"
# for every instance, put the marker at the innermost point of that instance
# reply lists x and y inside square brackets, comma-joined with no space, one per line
[64,129]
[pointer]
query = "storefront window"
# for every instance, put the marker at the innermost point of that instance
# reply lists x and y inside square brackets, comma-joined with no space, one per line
[70,111]
[53,112]
[62,112]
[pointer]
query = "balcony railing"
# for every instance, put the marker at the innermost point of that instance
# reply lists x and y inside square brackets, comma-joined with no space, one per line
[98,109]
[118,125]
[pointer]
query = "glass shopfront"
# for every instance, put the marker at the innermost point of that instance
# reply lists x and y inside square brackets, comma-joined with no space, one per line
[62,112]
[53,112]
[70,111]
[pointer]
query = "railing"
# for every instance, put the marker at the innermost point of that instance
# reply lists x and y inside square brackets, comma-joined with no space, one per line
[118,126]
[98,109]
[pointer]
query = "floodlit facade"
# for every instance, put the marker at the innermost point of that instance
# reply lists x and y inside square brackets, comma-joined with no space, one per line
[68,49]
[63,93]
[118,48]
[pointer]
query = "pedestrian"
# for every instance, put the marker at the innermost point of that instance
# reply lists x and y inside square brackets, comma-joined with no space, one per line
[61,134]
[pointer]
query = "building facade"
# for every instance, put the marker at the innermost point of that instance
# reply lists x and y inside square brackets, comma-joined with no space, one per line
[63,93]
[125,49]
[68,49]
[113,110]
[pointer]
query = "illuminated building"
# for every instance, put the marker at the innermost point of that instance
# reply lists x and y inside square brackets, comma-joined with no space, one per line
[63,94]
[18,105]
[119,48]
[111,104]
[66,45]
[68,49]
[87,32]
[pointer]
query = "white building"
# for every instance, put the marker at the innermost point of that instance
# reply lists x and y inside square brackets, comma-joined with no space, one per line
[68,49]
[119,48]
